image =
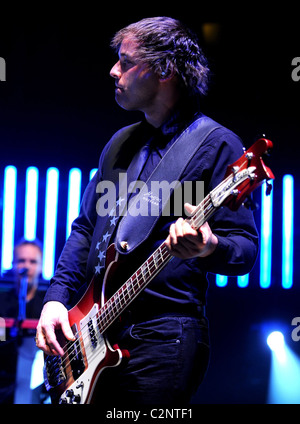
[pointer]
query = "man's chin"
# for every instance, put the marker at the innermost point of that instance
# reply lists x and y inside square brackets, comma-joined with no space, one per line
[123,103]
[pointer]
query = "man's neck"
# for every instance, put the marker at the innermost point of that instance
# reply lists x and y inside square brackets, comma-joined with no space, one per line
[158,118]
[163,105]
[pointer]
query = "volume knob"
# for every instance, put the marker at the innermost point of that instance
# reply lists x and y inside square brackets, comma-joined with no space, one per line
[77,398]
[70,393]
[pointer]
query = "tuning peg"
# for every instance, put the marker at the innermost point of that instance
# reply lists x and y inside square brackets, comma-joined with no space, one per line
[250,204]
[269,188]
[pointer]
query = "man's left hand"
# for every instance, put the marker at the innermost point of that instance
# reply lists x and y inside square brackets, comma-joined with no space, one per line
[185,242]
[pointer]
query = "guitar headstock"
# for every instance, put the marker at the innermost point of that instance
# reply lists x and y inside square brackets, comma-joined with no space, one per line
[253,166]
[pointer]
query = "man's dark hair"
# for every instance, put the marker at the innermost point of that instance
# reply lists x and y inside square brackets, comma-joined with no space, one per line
[166,45]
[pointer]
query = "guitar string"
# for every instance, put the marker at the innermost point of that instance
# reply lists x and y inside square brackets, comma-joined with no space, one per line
[136,283]
[111,311]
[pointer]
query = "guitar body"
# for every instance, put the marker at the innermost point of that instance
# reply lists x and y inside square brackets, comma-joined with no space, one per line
[73,377]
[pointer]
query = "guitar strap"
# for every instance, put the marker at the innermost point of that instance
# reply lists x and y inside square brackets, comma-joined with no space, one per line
[169,169]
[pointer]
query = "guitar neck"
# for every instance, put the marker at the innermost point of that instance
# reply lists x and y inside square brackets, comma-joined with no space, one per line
[113,308]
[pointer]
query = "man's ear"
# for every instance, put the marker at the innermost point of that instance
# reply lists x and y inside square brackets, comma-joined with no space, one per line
[166,74]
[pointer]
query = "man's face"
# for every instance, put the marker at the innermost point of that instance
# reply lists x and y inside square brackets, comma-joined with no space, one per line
[30,257]
[136,85]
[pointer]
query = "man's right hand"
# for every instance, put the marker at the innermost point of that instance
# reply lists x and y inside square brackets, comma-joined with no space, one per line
[54,316]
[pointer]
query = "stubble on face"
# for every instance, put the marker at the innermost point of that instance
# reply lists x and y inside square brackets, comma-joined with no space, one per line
[136,84]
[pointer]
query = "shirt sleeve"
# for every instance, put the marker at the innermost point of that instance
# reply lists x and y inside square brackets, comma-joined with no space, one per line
[70,272]
[236,231]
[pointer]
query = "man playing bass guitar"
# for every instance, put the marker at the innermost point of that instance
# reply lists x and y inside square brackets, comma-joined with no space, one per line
[162,72]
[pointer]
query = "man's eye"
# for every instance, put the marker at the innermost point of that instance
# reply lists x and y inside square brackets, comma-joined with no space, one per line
[125,63]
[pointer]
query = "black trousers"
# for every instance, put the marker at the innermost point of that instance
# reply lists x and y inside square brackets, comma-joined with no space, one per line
[168,359]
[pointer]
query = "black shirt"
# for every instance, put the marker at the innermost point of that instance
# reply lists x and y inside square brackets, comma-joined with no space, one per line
[182,284]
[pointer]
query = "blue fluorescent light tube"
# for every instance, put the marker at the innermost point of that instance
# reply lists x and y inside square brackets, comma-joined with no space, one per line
[243,281]
[8,219]
[74,195]
[31,202]
[221,280]
[266,237]
[50,222]
[287,230]
[93,172]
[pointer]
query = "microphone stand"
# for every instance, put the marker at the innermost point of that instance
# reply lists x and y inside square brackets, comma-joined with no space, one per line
[16,330]
[22,295]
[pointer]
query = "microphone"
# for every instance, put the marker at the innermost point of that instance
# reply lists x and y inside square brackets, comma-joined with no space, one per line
[23,272]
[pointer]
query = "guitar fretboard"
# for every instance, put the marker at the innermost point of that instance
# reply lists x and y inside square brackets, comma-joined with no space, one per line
[133,286]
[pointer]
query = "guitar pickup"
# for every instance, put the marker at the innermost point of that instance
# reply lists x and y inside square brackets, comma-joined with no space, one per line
[75,356]
[92,334]
[54,372]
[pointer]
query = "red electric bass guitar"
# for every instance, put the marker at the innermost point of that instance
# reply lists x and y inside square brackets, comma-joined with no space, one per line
[73,377]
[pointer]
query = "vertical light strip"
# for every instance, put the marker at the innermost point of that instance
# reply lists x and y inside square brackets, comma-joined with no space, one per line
[287,231]
[50,223]
[8,220]
[243,281]
[93,172]
[73,198]
[266,237]
[221,280]
[31,202]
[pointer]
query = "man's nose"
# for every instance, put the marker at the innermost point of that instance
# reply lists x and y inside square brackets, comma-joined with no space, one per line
[115,71]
